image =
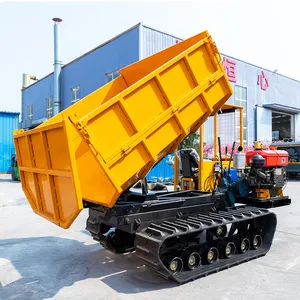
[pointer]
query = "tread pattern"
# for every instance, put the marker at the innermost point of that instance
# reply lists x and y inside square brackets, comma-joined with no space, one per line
[149,240]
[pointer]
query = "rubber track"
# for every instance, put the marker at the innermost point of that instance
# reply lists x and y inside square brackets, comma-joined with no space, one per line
[149,240]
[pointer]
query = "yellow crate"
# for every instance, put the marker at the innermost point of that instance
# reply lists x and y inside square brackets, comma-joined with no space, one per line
[100,146]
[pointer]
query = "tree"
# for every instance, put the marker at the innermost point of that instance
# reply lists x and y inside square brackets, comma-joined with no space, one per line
[191,141]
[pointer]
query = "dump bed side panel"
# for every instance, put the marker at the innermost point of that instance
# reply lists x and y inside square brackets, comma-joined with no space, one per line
[115,135]
[48,173]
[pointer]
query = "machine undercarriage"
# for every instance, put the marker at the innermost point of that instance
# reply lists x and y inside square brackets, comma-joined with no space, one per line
[184,235]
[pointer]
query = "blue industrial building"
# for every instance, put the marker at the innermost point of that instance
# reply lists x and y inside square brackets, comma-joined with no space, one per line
[271,101]
[9,121]
[92,70]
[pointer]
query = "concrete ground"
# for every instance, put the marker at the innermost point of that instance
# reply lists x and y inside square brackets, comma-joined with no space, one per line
[39,260]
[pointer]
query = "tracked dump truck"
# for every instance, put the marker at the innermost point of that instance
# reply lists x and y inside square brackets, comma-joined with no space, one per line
[92,153]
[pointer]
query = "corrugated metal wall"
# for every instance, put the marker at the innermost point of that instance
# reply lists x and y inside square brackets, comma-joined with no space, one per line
[8,123]
[154,41]
[90,71]
[36,95]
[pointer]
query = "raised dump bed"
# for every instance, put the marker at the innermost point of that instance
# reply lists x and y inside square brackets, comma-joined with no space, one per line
[100,146]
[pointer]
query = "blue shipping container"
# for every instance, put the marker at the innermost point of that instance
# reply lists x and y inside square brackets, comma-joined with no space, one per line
[161,170]
[9,121]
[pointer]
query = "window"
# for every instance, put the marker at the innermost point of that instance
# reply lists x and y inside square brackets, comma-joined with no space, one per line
[240,99]
[282,126]
[30,112]
[112,75]
[75,94]
[49,107]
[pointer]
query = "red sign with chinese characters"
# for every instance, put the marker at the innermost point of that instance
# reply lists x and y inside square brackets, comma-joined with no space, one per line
[229,66]
[263,81]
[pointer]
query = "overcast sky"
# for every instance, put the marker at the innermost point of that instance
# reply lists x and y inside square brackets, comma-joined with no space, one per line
[265,33]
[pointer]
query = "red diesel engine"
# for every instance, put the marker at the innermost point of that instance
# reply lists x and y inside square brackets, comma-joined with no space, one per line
[267,175]
[263,180]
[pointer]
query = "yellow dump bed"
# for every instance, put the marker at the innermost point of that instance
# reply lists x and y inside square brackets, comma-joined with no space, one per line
[100,146]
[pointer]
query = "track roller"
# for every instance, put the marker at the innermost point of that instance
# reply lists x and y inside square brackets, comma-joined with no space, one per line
[229,249]
[192,260]
[220,231]
[256,241]
[244,245]
[175,265]
[212,255]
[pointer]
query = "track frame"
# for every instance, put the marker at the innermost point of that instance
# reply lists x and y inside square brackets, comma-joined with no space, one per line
[145,224]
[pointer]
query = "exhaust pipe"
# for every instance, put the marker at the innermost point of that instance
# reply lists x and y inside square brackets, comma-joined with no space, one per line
[57,66]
